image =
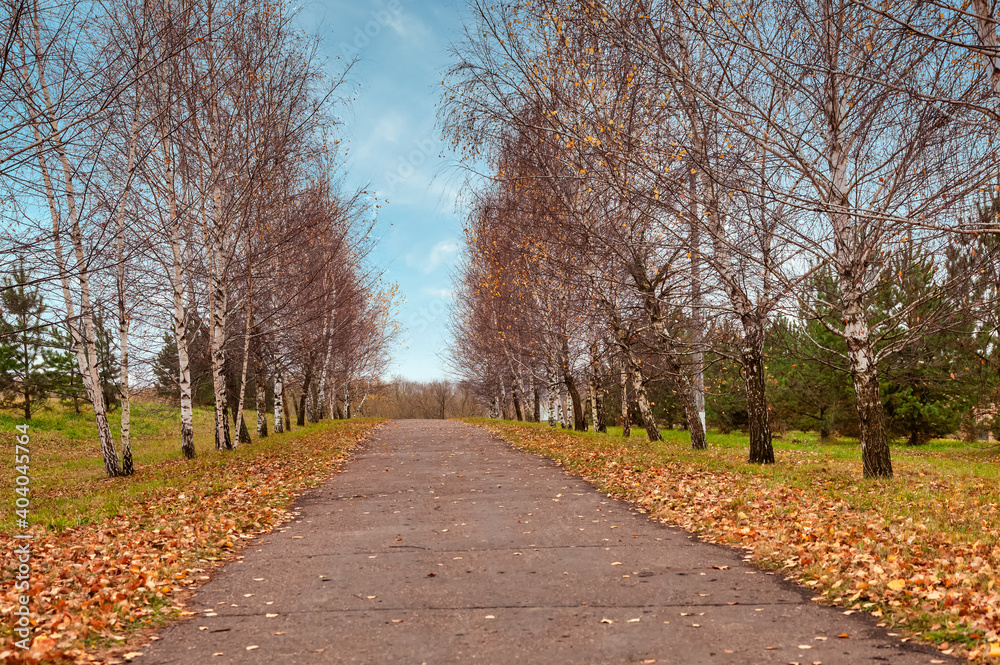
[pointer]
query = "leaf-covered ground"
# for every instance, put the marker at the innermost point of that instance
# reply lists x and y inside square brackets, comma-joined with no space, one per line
[104,581]
[920,551]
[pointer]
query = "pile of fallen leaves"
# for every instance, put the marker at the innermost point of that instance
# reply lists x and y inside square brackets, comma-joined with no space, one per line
[856,543]
[96,585]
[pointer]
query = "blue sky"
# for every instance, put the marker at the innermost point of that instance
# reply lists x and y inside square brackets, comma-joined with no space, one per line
[395,147]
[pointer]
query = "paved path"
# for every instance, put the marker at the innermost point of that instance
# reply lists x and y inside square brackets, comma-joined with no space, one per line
[441,544]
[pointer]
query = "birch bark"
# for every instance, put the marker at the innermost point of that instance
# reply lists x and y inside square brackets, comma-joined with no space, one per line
[279,406]
[83,340]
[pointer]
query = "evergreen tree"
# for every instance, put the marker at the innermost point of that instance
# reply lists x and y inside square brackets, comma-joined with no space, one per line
[22,337]
[109,369]
[166,366]
[807,369]
[62,373]
[927,388]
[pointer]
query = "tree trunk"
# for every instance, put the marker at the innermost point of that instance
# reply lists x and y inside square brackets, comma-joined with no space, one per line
[761,450]
[123,315]
[184,381]
[563,406]
[126,394]
[304,399]
[687,393]
[217,304]
[242,433]
[279,404]
[553,392]
[602,421]
[517,404]
[648,419]
[592,397]
[875,456]
[623,382]
[579,420]
[83,340]
[261,402]
[312,414]
[177,286]
[681,378]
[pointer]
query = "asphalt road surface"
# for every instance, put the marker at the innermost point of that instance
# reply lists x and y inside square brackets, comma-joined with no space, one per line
[441,544]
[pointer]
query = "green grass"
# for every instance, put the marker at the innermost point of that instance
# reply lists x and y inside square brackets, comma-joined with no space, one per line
[69,486]
[947,456]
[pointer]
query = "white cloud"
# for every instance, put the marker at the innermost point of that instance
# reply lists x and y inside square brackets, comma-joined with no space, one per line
[411,28]
[428,263]
[390,127]
[444,294]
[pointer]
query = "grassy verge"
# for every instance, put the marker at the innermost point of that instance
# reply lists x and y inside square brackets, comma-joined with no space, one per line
[921,551]
[111,557]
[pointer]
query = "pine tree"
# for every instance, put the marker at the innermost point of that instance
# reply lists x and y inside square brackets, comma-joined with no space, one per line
[109,369]
[927,388]
[61,372]
[22,337]
[807,370]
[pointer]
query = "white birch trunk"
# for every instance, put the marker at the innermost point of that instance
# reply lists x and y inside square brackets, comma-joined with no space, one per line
[623,383]
[279,407]
[177,279]
[243,377]
[553,393]
[83,340]
[123,315]
[564,408]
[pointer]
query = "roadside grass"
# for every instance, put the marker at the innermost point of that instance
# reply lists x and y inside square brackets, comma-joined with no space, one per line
[111,557]
[921,551]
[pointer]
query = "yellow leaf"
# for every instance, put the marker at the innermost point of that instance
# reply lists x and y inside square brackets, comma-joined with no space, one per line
[896,585]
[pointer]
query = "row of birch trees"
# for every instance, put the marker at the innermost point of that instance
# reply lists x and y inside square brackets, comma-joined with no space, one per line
[172,165]
[664,175]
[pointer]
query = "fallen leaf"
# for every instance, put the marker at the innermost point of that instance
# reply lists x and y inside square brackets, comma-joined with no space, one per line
[896,585]
[606,621]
